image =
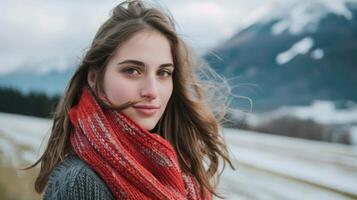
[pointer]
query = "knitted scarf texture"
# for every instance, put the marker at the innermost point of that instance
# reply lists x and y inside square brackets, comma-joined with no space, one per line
[133,163]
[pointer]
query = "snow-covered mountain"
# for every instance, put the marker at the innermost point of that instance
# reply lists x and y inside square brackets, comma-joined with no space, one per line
[294,53]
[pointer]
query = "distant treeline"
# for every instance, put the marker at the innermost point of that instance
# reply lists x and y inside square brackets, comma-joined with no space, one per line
[299,128]
[34,103]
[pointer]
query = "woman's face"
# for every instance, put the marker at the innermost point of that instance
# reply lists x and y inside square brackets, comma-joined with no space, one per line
[141,67]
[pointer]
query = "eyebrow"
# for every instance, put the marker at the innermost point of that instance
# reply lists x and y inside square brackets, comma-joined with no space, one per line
[139,63]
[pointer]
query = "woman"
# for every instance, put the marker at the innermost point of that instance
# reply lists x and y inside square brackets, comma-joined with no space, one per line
[134,122]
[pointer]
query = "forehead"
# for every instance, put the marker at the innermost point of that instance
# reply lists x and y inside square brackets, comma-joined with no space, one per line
[148,46]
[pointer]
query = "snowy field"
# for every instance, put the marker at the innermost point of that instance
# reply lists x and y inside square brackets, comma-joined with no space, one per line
[268,167]
[275,167]
[22,136]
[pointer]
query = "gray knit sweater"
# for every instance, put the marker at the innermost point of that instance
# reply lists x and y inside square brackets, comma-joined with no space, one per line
[72,179]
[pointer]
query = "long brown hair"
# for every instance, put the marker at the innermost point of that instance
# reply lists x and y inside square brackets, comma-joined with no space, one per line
[188,122]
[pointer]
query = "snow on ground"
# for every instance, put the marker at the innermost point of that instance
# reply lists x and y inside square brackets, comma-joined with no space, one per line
[297,17]
[323,112]
[275,167]
[20,130]
[353,131]
[317,54]
[301,47]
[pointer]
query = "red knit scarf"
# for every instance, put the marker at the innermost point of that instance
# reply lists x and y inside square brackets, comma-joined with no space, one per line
[134,163]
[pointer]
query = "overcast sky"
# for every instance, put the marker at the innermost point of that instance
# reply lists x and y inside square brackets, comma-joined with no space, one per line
[39,35]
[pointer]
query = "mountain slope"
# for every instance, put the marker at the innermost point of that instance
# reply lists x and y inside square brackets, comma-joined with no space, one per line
[52,82]
[302,52]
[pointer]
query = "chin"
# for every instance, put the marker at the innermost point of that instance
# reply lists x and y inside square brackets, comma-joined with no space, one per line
[153,128]
[148,126]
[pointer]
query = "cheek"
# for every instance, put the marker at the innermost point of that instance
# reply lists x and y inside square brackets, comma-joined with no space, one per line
[167,92]
[118,91]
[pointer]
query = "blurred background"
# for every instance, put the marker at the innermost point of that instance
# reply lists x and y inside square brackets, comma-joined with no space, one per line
[296,60]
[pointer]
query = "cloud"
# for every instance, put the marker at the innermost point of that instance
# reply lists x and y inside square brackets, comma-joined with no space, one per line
[40,35]
[46,35]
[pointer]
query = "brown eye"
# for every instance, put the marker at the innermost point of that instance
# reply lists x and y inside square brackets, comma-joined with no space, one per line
[131,71]
[165,73]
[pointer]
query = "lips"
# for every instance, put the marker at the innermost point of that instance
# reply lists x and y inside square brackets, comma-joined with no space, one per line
[146,106]
[146,109]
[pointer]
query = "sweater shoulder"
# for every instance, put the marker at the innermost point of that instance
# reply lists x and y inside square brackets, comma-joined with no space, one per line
[74,179]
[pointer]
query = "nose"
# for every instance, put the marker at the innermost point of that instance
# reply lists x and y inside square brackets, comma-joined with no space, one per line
[150,88]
